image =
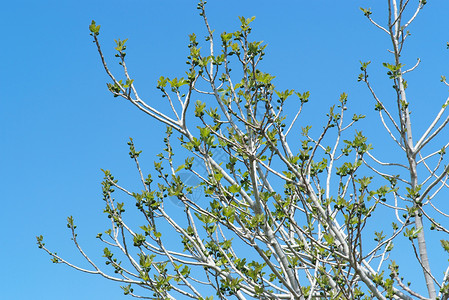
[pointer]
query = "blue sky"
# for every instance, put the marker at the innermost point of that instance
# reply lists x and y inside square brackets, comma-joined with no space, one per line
[59,125]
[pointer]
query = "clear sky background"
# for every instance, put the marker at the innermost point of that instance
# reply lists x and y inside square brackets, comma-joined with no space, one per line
[59,125]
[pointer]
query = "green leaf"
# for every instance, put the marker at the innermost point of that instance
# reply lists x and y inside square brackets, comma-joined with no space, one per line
[138,239]
[364,65]
[234,188]
[120,45]
[179,168]
[94,29]
[199,108]
[366,11]
[445,245]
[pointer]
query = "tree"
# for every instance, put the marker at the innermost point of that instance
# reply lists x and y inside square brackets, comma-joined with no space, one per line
[279,223]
